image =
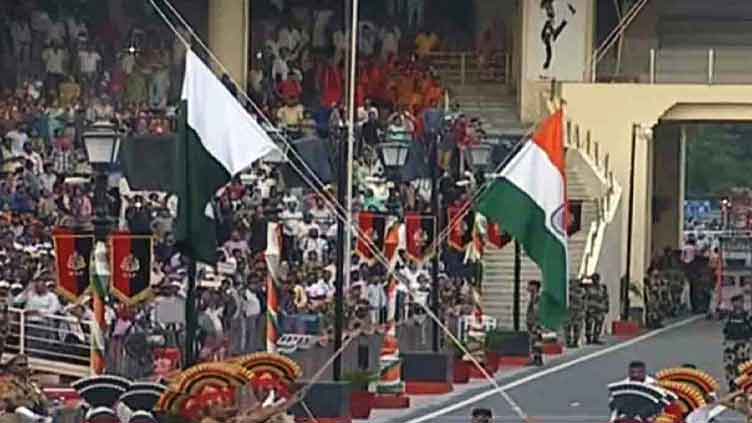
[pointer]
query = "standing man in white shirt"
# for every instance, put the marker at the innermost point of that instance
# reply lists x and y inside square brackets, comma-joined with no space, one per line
[367,34]
[321,19]
[55,59]
[40,25]
[341,41]
[390,40]
[289,37]
[291,218]
[20,32]
[88,64]
[39,302]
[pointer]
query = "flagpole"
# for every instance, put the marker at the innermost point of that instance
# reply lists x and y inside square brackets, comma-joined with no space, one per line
[345,176]
[351,134]
[191,317]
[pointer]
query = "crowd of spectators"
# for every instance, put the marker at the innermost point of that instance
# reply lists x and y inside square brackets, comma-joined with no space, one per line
[67,73]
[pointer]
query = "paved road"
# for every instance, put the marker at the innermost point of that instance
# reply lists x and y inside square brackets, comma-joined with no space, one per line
[577,393]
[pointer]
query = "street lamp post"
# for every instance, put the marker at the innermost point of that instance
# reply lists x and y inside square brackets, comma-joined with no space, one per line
[339,284]
[394,157]
[433,166]
[480,156]
[102,142]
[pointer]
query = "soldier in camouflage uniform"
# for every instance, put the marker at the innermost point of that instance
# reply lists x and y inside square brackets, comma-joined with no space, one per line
[596,307]
[653,317]
[576,319]
[737,333]
[534,329]
[24,399]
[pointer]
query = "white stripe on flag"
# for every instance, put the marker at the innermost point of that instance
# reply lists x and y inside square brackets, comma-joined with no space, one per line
[226,130]
[534,174]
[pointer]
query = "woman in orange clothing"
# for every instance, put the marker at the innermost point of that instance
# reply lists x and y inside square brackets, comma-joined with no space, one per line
[405,85]
[375,81]
[332,85]
[433,93]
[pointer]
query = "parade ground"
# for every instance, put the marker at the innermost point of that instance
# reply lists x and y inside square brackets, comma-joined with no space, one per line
[572,387]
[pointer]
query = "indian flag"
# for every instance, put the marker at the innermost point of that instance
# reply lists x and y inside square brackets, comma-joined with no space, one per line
[528,200]
[217,139]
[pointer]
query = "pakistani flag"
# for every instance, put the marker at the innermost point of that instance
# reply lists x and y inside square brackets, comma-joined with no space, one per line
[217,139]
[528,200]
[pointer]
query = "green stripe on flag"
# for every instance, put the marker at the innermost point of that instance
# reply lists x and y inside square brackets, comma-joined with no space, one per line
[519,215]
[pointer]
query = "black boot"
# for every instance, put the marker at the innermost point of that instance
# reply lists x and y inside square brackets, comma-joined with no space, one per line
[597,341]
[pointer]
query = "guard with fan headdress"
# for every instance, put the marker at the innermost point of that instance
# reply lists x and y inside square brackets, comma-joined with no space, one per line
[688,399]
[101,393]
[707,385]
[141,399]
[637,401]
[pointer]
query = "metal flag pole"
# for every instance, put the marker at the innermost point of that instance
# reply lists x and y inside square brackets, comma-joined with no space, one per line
[351,134]
[346,168]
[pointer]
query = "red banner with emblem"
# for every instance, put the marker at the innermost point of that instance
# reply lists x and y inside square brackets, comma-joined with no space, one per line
[372,227]
[130,266]
[496,236]
[461,233]
[72,262]
[420,232]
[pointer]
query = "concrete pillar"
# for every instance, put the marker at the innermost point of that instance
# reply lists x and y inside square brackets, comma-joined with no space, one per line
[642,212]
[668,187]
[682,191]
[229,22]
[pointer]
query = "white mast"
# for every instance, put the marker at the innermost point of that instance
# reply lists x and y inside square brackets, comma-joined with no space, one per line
[350,138]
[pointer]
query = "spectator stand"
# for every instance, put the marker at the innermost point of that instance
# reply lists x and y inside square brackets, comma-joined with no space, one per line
[55,344]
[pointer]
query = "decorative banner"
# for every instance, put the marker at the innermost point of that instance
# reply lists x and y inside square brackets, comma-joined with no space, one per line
[462,232]
[420,234]
[130,265]
[72,260]
[497,237]
[557,39]
[373,227]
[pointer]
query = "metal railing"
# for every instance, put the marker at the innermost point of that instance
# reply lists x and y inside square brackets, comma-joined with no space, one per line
[600,162]
[54,344]
[724,65]
[467,67]
[615,36]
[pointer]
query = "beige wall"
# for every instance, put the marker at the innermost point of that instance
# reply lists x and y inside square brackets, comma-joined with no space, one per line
[609,112]
[228,35]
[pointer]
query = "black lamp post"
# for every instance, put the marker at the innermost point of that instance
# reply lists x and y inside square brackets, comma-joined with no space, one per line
[480,155]
[102,141]
[393,157]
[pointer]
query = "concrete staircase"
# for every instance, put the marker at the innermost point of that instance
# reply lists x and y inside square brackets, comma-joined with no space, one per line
[498,265]
[493,105]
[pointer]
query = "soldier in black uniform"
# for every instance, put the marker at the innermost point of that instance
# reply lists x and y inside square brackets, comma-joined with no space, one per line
[534,329]
[737,332]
